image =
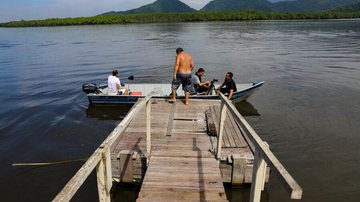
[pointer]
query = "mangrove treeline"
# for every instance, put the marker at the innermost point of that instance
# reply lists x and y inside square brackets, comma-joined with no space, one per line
[179,17]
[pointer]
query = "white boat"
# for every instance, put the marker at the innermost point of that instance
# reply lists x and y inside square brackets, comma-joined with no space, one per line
[98,94]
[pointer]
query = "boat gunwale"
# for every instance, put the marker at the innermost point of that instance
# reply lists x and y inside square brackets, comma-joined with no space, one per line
[122,98]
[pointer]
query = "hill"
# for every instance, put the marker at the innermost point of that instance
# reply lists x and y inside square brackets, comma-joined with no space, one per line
[348,8]
[282,6]
[311,5]
[237,5]
[159,6]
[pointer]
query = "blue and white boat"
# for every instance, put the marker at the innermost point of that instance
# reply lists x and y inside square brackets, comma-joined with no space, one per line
[98,94]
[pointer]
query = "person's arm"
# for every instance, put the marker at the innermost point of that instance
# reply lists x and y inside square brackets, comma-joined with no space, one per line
[206,83]
[192,65]
[232,89]
[218,89]
[118,85]
[231,93]
[176,67]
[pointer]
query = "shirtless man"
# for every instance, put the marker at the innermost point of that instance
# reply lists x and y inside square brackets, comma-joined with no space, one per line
[184,64]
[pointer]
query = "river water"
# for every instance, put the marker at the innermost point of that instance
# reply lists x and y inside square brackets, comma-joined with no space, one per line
[308,110]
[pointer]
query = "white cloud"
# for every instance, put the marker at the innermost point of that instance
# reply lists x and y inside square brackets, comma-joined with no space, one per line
[197,4]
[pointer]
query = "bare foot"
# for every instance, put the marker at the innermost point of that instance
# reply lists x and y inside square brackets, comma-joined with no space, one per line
[171,101]
[186,103]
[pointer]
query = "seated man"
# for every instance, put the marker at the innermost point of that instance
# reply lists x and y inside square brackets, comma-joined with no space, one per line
[200,86]
[228,87]
[114,85]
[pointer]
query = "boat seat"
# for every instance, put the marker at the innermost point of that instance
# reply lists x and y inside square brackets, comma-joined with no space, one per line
[103,91]
[136,93]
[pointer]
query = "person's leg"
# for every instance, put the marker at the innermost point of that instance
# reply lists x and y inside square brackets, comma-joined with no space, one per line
[202,89]
[187,87]
[173,97]
[187,94]
[223,91]
[174,86]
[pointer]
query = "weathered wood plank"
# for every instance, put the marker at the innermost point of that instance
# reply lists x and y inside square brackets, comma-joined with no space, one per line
[226,141]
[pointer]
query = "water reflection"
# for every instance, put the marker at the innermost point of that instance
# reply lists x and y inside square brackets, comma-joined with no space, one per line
[242,193]
[125,192]
[246,109]
[118,112]
[104,112]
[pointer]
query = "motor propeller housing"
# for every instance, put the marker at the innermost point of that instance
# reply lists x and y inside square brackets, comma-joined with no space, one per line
[90,88]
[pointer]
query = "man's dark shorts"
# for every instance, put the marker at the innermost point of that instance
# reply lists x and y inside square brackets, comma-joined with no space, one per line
[184,80]
[225,90]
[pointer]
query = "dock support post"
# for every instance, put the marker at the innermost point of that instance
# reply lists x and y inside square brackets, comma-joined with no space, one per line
[258,178]
[265,170]
[238,169]
[104,177]
[126,166]
[148,130]
[223,109]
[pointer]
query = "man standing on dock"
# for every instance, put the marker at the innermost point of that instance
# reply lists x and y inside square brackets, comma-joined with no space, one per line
[184,64]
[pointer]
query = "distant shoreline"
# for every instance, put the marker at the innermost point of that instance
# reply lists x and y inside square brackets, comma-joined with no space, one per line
[179,17]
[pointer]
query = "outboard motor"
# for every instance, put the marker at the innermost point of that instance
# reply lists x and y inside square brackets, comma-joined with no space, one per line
[90,88]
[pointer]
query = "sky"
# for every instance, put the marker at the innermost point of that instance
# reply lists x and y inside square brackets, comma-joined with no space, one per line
[11,10]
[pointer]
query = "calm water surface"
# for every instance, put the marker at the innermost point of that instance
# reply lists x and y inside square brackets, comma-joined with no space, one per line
[308,110]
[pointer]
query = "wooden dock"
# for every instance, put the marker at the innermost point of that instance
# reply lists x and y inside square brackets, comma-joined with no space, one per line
[181,167]
[174,127]
[182,153]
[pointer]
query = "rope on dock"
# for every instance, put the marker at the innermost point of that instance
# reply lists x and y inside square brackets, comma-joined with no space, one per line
[47,163]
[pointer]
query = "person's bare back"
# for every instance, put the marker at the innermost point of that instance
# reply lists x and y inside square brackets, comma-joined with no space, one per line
[184,63]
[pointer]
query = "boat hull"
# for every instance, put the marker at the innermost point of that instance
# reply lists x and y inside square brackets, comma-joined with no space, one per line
[163,91]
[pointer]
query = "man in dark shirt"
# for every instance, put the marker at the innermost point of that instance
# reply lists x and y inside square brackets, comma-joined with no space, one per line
[228,87]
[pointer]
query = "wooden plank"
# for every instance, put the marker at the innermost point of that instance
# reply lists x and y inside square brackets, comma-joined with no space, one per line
[104,195]
[231,132]
[185,178]
[258,178]
[239,139]
[126,166]
[226,141]
[238,169]
[171,120]
[148,129]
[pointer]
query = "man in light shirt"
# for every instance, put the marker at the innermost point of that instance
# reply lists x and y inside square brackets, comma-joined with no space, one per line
[199,85]
[114,85]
